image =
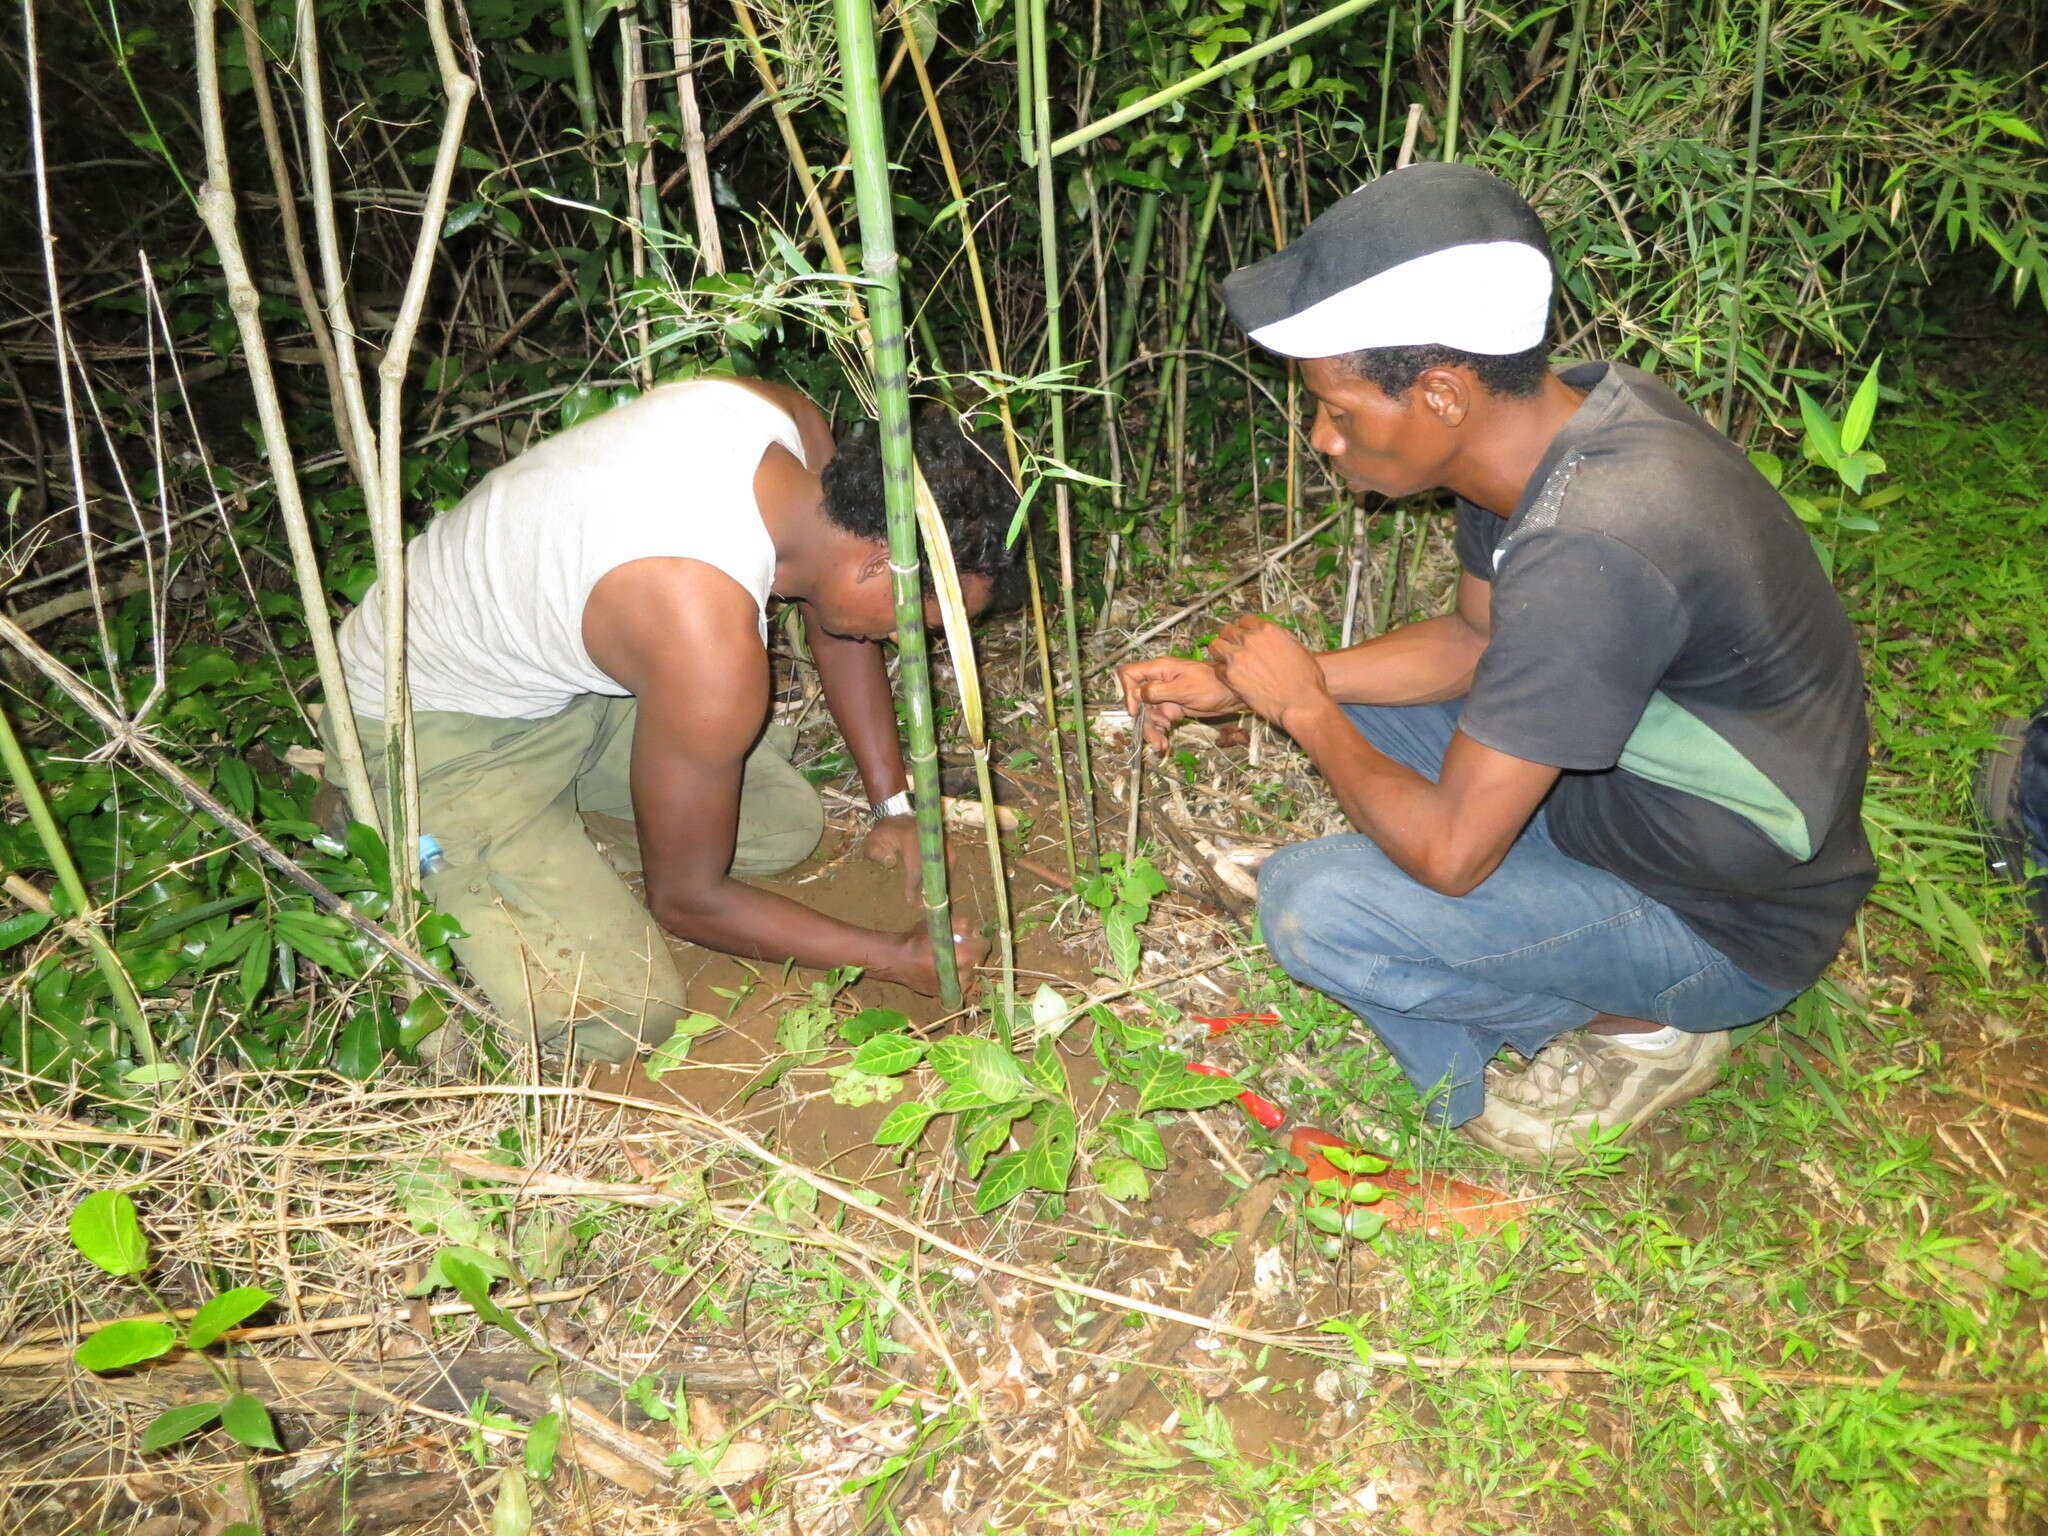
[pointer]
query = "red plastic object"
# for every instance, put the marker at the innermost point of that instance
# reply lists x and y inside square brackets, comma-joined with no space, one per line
[1265,1111]
[1223,1023]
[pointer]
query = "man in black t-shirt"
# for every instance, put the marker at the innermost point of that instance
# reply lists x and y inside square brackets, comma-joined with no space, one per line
[1609,807]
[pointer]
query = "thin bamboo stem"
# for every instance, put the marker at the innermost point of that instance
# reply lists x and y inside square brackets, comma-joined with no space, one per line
[80,920]
[868,152]
[216,204]
[1456,88]
[1751,156]
[1040,108]
[579,69]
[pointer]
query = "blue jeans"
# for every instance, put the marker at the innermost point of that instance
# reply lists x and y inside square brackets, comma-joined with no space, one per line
[1540,947]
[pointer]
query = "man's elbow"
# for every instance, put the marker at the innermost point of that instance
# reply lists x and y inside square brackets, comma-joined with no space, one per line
[688,912]
[1456,872]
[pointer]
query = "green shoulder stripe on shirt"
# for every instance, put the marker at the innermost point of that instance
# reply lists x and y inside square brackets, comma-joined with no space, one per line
[1673,747]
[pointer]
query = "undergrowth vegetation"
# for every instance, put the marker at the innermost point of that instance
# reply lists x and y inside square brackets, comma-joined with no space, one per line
[1815,1303]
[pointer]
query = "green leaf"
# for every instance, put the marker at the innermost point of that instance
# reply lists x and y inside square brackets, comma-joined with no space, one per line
[1049,1160]
[2019,128]
[1140,1139]
[254,974]
[314,935]
[23,925]
[1823,443]
[1862,411]
[225,1311]
[474,1287]
[1050,1012]
[1120,927]
[853,1087]
[1121,1179]
[1004,1181]
[128,1342]
[1769,465]
[361,1051]
[888,1055]
[460,218]
[437,1276]
[970,1061]
[673,1052]
[105,1228]
[155,1075]
[870,1022]
[174,1424]
[512,1514]
[905,1123]
[248,1422]
[542,1441]
[1165,1082]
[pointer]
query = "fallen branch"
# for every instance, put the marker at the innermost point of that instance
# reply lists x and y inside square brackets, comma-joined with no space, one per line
[1981,1097]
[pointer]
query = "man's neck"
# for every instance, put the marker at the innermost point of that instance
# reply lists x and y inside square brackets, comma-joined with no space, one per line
[1496,471]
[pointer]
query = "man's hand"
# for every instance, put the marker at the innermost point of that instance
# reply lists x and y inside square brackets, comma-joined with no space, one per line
[1170,689]
[1272,671]
[914,967]
[893,840]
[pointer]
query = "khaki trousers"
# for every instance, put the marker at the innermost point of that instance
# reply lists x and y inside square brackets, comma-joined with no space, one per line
[556,938]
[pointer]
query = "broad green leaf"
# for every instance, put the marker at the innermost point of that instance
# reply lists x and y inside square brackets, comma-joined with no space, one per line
[474,1287]
[1365,1225]
[1120,928]
[512,1514]
[174,1424]
[853,1087]
[1167,1083]
[1769,465]
[673,1052]
[968,1060]
[155,1075]
[1140,1139]
[361,1051]
[1049,1160]
[542,1441]
[105,1228]
[23,925]
[888,1055]
[248,1421]
[128,1342]
[1121,1179]
[869,1022]
[2018,127]
[1862,411]
[906,1122]
[437,1275]
[1004,1181]
[255,971]
[225,1311]
[1823,443]
[982,1132]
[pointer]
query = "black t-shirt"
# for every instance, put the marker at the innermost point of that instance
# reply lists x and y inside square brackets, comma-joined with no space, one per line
[1663,632]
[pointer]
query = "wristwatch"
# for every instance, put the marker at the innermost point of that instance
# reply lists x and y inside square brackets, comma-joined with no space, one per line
[897,804]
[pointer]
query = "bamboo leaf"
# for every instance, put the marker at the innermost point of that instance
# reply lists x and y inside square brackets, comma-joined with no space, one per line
[1862,411]
[174,1424]
[225,1311]
[105,1228]
[128,1342]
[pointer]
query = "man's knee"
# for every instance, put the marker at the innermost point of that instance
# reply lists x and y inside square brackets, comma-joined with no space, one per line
[1310,900]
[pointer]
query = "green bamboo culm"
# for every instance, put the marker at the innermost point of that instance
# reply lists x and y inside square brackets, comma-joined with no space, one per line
[126,1003]
[869,156]
[1751,159]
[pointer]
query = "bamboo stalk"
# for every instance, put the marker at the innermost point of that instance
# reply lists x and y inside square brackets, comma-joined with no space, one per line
[1040,109]
[868,152]
[1216,71]
[579,70]
[1455,89]
[80,921]
[216,204]
[710,247]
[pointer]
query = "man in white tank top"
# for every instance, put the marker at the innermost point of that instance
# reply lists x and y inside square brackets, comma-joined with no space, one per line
[586,634]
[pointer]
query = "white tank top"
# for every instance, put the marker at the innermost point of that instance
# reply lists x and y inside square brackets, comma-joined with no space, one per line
[498,582]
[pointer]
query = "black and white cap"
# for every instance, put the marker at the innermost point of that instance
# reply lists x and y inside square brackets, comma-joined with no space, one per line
[1433,255]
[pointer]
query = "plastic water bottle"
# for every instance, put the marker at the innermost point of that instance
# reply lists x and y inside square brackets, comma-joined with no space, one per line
[431,858]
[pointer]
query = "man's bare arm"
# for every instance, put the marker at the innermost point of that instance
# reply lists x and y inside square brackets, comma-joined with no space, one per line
[857,692]
[1419,663]
[682,636]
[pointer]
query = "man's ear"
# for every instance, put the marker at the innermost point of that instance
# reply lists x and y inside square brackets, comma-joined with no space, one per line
[1447,393]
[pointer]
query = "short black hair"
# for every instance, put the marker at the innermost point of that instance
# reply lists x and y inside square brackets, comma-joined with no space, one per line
[1394,370]
[968,481]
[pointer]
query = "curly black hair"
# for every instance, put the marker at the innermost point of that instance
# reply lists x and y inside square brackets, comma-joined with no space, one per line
[966,474]
[1394,370]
